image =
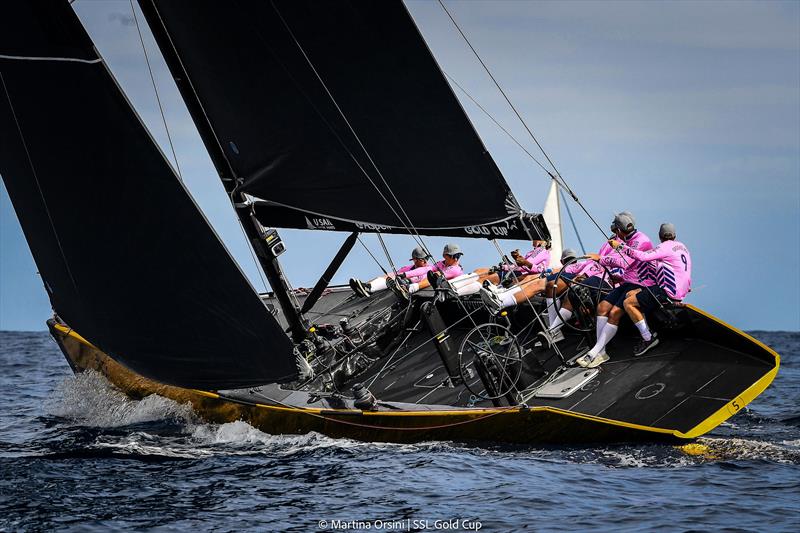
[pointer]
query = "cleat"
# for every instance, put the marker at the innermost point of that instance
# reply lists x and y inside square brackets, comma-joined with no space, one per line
[601,358]
[491,301]
[398,289]
[644,346]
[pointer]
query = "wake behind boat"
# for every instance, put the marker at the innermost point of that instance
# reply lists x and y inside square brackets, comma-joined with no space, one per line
[304,139]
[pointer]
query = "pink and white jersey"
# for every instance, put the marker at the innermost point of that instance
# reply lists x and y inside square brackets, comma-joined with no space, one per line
[415,278]
[633,270]
[415,275]
[584,268]
[616,271]
[449,272]
[539,258]
[673,266]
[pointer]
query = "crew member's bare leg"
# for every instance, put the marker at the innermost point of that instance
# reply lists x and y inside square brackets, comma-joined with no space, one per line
[637,317]
[531,286]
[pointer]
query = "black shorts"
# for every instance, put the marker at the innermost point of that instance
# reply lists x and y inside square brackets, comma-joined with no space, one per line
[564,275]
[650,297]
[596,283]
[617,296]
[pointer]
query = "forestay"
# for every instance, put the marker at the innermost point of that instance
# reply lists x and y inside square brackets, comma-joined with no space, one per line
[126,257]
[335,116]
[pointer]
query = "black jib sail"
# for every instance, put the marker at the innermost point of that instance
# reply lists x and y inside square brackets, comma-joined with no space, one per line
[335,116]
[126,257]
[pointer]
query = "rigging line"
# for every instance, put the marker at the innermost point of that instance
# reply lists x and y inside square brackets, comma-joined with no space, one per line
[492,412]
[344,356]
[38,188]
[372,256]
[186,77]
[155,90]
[391,357]
[525,125]
[407,223]
[253,255]
[386,251]
[530,303]
[409,226]
[60,59]
[491,117]
[338,137]
[433,338]
[486,68]
[572,221]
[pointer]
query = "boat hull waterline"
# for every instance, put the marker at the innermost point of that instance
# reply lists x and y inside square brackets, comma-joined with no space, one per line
[528,424]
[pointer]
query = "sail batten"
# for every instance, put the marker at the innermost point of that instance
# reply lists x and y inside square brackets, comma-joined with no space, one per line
[127,258]
[334,108]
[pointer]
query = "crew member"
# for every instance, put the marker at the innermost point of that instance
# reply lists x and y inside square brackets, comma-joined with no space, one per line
[587,273]
[527,275]
[419,265]
[414,280]
[635,274]
[674,281]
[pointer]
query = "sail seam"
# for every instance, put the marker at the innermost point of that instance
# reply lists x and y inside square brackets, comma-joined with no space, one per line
[45,58]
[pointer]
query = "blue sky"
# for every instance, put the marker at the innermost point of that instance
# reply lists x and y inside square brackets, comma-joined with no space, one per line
[686,112]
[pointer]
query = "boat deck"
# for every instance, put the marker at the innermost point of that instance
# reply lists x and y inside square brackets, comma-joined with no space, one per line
[698,370]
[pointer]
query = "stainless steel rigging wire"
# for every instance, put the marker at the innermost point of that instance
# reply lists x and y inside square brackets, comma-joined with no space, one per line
[155,90]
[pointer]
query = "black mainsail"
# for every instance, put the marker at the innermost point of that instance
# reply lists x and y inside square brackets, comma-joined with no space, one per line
[126,257]
[334,116]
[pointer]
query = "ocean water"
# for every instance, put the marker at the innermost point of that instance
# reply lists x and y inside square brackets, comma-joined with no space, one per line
[75,454]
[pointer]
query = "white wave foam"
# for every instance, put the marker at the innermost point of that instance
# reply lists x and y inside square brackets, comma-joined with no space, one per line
[749,449]
[88,398]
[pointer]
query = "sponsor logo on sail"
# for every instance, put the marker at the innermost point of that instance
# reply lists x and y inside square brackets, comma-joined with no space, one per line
[320,223]
[371,227]
[488,231]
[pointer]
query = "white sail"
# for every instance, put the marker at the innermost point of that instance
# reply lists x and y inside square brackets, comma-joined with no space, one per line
[552,217]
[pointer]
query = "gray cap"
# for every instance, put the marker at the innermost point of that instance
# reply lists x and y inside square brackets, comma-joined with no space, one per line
[568,254]
[633,219]
[451,249]
[418,253]
[667,231]
[624,222]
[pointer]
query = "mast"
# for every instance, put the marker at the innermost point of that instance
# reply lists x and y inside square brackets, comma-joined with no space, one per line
[266,251]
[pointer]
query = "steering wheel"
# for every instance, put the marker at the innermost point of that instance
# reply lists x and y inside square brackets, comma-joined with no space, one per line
[581,296]
[497,350]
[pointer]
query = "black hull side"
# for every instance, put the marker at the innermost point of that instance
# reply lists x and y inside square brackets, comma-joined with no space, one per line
[703,374]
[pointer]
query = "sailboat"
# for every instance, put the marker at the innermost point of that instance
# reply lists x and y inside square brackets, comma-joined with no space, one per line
[317,116]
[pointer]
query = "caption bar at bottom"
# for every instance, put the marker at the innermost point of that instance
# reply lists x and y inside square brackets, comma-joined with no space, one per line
[402,524]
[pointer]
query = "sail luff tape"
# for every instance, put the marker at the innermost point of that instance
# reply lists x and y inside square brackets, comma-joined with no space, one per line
[64,59]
